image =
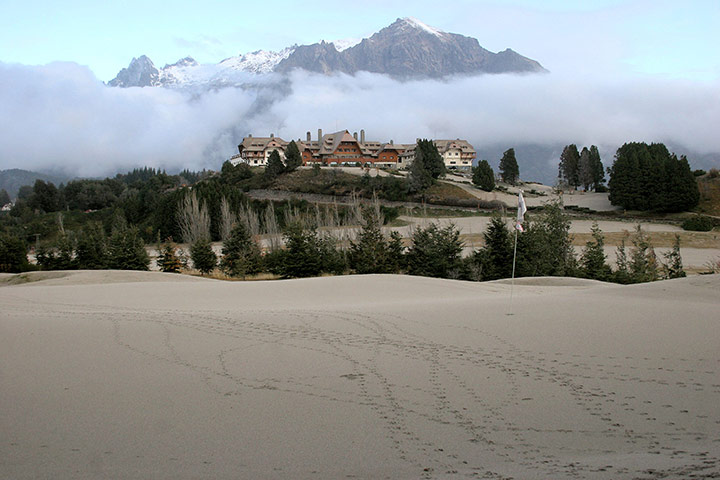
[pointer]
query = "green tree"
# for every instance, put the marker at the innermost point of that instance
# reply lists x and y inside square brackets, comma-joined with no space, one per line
[593,259]
[240,253]
[203,256]
[233,174]
[509,170]
[293,158]
[598,170]
[622,270]
[419,178]
[45,197]
[585,170]
[435,251]
[648,177]
[496,256]
[274,166]
[168,259]
[372,253]
[673,265]
[4,197]
[569,169]
[126,249]
[643,263]
[302,254]
[483,176]
[13,254]
[427,152]
[91,247]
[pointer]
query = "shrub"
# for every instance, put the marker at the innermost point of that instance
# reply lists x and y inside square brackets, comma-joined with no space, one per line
[698,223]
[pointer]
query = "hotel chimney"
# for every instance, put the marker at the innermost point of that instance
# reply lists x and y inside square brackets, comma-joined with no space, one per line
[319,136]
[362,136]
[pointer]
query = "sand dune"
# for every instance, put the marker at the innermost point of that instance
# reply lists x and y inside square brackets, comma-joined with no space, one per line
[149,375]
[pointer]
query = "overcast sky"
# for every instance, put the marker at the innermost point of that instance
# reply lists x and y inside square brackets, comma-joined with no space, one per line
[621,70]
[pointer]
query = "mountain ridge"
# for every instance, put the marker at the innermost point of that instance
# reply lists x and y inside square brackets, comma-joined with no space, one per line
[406,49]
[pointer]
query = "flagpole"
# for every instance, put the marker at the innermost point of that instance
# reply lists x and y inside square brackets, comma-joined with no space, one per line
[518,226]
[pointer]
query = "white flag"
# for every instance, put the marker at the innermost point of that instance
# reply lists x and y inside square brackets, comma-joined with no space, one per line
[521,212]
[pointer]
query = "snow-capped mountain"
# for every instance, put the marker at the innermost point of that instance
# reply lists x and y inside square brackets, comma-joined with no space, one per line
[408,48]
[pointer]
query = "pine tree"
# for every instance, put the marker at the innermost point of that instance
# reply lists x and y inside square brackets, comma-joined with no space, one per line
[13,254]
[483,176]
[435,251]
[592,259]
[418,179]
[203,257]
[370,253]
[274,166]
[431,158]
[126,249]
[168,259]
[91,247]
[643,261]
[597,167]
[497,253]
[4,197]
[569,165]
[622,270]
[293,158]
[673,266]
[240,253]
[509,170]
[585,169]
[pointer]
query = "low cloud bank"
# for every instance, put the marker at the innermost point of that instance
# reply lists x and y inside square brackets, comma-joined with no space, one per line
[61,117]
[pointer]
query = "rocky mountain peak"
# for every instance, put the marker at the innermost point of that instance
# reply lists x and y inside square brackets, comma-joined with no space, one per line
[140,73]
[407,48]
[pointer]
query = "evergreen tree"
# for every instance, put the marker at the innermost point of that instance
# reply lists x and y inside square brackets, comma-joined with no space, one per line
[483,176]
[643,261]
[569,169]
[370,254]
[293,158]
[509,170]
[13,254]
[597,167]
[240,253]
[168,259]
[126,249]
[4,197]
[435,252]
[233,174]
[497,254]
[433,162]
[585,169]
[302,255]
[91,247]
[418,179]
[673,266]
[274,166]
[203,256]
[545,248]
[648,177]
[45,197]
[592,259]
[622,271]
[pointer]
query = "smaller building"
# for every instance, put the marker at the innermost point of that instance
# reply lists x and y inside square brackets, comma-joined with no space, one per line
[255,151]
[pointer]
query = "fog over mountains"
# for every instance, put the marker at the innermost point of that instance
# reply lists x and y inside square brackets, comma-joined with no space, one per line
[61,118]
[407,49]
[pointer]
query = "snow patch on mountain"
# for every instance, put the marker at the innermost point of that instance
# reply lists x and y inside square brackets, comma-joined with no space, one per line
[415,23]
[346,43]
